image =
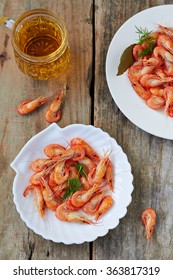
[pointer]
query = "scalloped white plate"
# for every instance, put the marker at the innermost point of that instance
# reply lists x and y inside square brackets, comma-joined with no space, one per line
[51,228]
[131,105]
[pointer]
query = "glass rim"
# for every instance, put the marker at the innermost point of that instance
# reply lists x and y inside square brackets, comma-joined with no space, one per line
[34,13]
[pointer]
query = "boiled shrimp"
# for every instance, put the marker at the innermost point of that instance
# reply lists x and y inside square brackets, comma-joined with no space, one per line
[136,72]
[67,213]
[89,151]
[140,90]
[54,150]
[50,200]
[95,176]
[168,92]
[152,80]
[165,30]
[61,172]
[149,220]
[36,177]
[79,198]
[40,164]
[137,49]
[53,114]
[156,102]
[38,198]
[26,107]
[157,91]
[88,163]
[165,42]
[105,205]
[109,175]
[92,205]
[162,52]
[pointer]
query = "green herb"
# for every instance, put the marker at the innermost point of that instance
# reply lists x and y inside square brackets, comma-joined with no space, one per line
[80,168]
[143,34]
[74,185]
[148,50]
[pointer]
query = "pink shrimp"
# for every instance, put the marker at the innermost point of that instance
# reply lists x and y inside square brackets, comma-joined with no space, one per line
[36,177]
[79,198]
[40,164]
[168,92]
[54,150]
[165,30]
[152,61]
[137,49]
[68,213]
[166,42]
[162,52]
[149,220]
[50,200]
[96,175]
[109,175]
[88,163]
[38,198]
[26,107]
[61,173]
[156,102]
[168,68]
[75,153]
[143,93]
[135,72]
[92,205]
[151,80]
[157,91]
[85,183]
[105,205]
[53,114]
[89,151]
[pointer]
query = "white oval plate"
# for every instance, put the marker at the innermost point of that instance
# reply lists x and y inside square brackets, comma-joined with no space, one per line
[132,106]
[50,227]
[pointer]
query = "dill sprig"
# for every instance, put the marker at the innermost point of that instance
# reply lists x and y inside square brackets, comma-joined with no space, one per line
[144,37]
[143,34]
[147,50]
[81,170]
[74,185]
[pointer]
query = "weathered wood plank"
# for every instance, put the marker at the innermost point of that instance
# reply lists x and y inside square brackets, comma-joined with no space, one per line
[16,130]
[150,157]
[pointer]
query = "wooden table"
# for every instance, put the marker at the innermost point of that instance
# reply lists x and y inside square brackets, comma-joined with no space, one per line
[91,25]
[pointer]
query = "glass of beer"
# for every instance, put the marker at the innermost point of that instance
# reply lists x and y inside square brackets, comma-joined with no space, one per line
[40,43]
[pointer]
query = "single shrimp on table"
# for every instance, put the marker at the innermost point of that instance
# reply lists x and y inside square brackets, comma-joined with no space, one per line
[149,220]
[53,114]
[26,107]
